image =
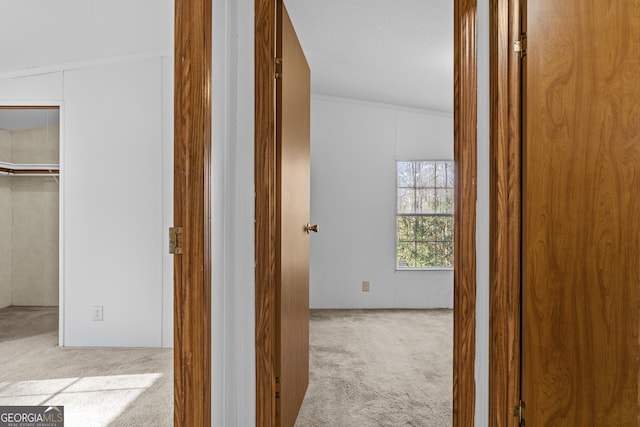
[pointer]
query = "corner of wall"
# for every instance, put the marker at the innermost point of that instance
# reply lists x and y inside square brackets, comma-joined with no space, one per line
[6,221]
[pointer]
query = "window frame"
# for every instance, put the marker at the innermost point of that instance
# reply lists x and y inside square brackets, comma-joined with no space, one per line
[398,214]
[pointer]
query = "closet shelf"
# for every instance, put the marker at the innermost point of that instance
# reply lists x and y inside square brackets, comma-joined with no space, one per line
[26,169]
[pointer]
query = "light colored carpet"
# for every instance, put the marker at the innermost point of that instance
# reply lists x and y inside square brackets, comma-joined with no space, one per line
[97,386]
[368,368]
[379,368]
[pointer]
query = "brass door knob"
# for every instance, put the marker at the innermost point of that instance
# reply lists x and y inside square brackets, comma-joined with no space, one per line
[309,228]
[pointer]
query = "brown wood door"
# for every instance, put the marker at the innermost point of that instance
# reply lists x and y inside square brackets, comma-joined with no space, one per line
[292,242]
[581,213]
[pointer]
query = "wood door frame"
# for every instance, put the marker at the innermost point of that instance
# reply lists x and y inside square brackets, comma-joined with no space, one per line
[505,214]
[465,157]
[506,200]
[192,212]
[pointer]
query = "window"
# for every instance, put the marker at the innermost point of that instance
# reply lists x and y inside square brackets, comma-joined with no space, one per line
[424,214]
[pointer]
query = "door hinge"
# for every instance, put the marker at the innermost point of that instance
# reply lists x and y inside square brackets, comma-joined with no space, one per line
[518,411]
[175,246]
[278,61]
[519,45]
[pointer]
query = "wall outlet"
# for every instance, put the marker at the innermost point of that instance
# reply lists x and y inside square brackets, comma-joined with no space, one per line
[365,286]
[97,313]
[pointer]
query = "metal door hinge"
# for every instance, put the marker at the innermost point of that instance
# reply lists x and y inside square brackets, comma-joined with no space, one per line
[278,61]
[518,411]
[519,45]
[175,246]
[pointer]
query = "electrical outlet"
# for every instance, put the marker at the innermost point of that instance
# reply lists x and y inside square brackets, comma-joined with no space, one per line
[365,286]
[97,313]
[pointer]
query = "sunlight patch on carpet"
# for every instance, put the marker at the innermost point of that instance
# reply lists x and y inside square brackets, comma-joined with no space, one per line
[88,401]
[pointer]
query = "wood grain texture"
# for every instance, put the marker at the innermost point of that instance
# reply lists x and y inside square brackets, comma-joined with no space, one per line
[465,156]
[265,229]
[192,212]
[581,233]
[293,142]
[505,196]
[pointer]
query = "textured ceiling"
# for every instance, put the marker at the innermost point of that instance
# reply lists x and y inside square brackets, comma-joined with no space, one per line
[392,51]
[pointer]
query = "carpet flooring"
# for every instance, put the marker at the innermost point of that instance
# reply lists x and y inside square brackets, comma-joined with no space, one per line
[379,368]
[97,386]
[369,368]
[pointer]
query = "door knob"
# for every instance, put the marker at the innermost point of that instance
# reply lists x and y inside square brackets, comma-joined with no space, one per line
[309,228]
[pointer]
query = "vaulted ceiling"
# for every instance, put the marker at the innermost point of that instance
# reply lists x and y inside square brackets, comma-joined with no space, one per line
[391,51]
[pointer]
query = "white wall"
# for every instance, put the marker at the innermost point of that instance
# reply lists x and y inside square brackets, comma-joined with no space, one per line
[233,284]
[482,221]
[109,65]
[113,204]
[354,148]
[114,195]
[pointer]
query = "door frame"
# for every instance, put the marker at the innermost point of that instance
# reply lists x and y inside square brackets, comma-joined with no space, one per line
[505,213]
[192,212]
[465,158]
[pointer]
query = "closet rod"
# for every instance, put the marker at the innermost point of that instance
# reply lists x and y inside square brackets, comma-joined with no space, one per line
[23,169]
[41,173]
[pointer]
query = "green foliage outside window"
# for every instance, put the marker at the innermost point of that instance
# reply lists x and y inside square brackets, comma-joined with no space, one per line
[424,219]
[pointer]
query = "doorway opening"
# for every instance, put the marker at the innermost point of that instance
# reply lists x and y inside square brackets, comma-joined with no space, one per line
[30,200]
[382,193]
[465,194]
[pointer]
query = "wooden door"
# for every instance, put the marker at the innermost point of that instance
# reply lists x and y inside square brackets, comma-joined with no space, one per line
[292,239]
[581,213]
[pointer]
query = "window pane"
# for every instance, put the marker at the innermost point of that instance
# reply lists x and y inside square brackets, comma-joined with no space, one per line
[427,228]
[447,228]
[406,254]
[450,175]
[425,255]
[406,228]
[406,200]
[441,174]
[405,174]
[444,201]
[444,252]
[438,232]
[426,200]
[448,254]
[424,224]
[426,174]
